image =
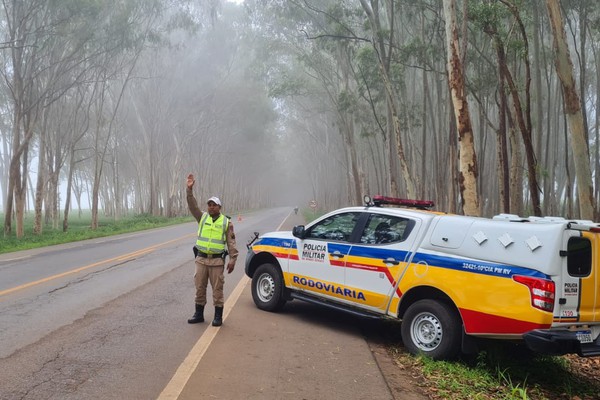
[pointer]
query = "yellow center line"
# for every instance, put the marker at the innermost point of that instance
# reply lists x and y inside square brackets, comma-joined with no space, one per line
[123,257]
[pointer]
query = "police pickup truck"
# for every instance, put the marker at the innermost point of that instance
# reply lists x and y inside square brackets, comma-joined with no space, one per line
[449,278]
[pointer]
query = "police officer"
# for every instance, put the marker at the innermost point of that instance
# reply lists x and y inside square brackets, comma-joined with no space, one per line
[215,240]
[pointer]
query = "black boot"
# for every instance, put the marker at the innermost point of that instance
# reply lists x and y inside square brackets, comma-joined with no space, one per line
[218,321]
[198,315]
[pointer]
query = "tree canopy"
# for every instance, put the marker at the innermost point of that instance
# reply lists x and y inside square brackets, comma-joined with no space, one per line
[483,106]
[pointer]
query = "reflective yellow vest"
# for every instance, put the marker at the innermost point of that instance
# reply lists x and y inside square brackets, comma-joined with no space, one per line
[212,235]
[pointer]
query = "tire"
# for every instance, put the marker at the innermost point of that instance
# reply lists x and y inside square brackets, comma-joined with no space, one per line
[267,288]
[433,329]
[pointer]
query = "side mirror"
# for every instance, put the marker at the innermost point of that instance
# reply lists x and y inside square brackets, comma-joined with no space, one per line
[252,240]
[298,231]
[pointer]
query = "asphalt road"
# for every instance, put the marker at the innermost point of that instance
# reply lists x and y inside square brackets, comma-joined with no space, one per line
[106,319]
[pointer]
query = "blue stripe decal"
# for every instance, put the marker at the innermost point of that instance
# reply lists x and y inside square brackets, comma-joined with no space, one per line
[374,252]
[342,248]
[457,264]
[277,242]
[476,266]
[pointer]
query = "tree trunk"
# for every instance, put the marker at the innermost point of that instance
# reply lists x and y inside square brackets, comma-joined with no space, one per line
[69,186]
[21,194]
[523,114]
[453,156]
[41,176]
[564,69]
[503,173]
[539,116]
[516,172]
[4,166]
[468,160]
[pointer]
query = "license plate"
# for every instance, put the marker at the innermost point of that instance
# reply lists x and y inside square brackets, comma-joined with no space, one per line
[584,336]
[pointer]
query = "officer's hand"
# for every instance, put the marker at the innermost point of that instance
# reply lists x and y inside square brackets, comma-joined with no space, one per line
[190,181]
[230,267]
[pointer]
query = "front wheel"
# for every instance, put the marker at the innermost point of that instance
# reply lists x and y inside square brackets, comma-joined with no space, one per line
[431,328]
[267,288]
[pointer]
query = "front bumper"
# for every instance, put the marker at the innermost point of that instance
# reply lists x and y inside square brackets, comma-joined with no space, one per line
[249,257]
[559,342]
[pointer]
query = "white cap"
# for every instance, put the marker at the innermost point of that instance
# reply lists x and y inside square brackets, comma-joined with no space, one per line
[215,200]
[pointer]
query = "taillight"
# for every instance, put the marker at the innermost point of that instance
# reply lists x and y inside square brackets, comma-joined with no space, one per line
[541,290]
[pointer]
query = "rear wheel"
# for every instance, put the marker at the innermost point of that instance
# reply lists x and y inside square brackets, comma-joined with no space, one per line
[431,328]
[267,288]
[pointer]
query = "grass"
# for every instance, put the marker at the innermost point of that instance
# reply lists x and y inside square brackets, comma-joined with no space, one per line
[79,229]
[502,372]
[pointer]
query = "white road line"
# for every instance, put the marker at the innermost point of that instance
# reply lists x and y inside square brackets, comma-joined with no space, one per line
[282,222]
[187,368]
[14,259]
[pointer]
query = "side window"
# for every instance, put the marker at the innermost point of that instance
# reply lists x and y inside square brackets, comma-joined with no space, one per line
[337,227]
[579,257]
[382,229]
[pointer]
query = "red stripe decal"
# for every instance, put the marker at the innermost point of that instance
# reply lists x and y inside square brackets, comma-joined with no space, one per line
[365,267]
[280,255]
[478,322]
[385,270]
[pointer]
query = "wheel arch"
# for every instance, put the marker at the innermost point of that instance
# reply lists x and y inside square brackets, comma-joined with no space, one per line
[469,344]
[260,259]
[425,292]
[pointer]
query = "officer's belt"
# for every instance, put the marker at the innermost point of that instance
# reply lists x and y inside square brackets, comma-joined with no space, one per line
[205,255]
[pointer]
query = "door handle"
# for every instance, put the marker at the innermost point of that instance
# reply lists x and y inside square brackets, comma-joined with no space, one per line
[391,260]
[337,254]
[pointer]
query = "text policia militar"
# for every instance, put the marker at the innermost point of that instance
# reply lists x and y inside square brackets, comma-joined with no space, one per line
[315,252]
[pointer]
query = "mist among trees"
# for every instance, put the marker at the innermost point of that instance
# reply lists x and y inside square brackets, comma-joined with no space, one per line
[484,106]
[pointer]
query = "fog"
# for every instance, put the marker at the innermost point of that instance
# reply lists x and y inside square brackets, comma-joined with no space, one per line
[110,105]
[187,92]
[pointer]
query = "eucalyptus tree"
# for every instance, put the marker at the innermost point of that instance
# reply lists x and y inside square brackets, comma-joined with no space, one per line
[330,47]
[582,24]
[194,107]
[594,87]
[468,157]
[367,74]
[79,105]
[26,25]
[45,40]
[496,20]
[4,139]
[68,59]
[49,43]
[336,73]
[382,37]
[304,62]
[151,19]
[573,111]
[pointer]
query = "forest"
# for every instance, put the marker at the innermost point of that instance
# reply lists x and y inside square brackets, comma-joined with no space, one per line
[483,106]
